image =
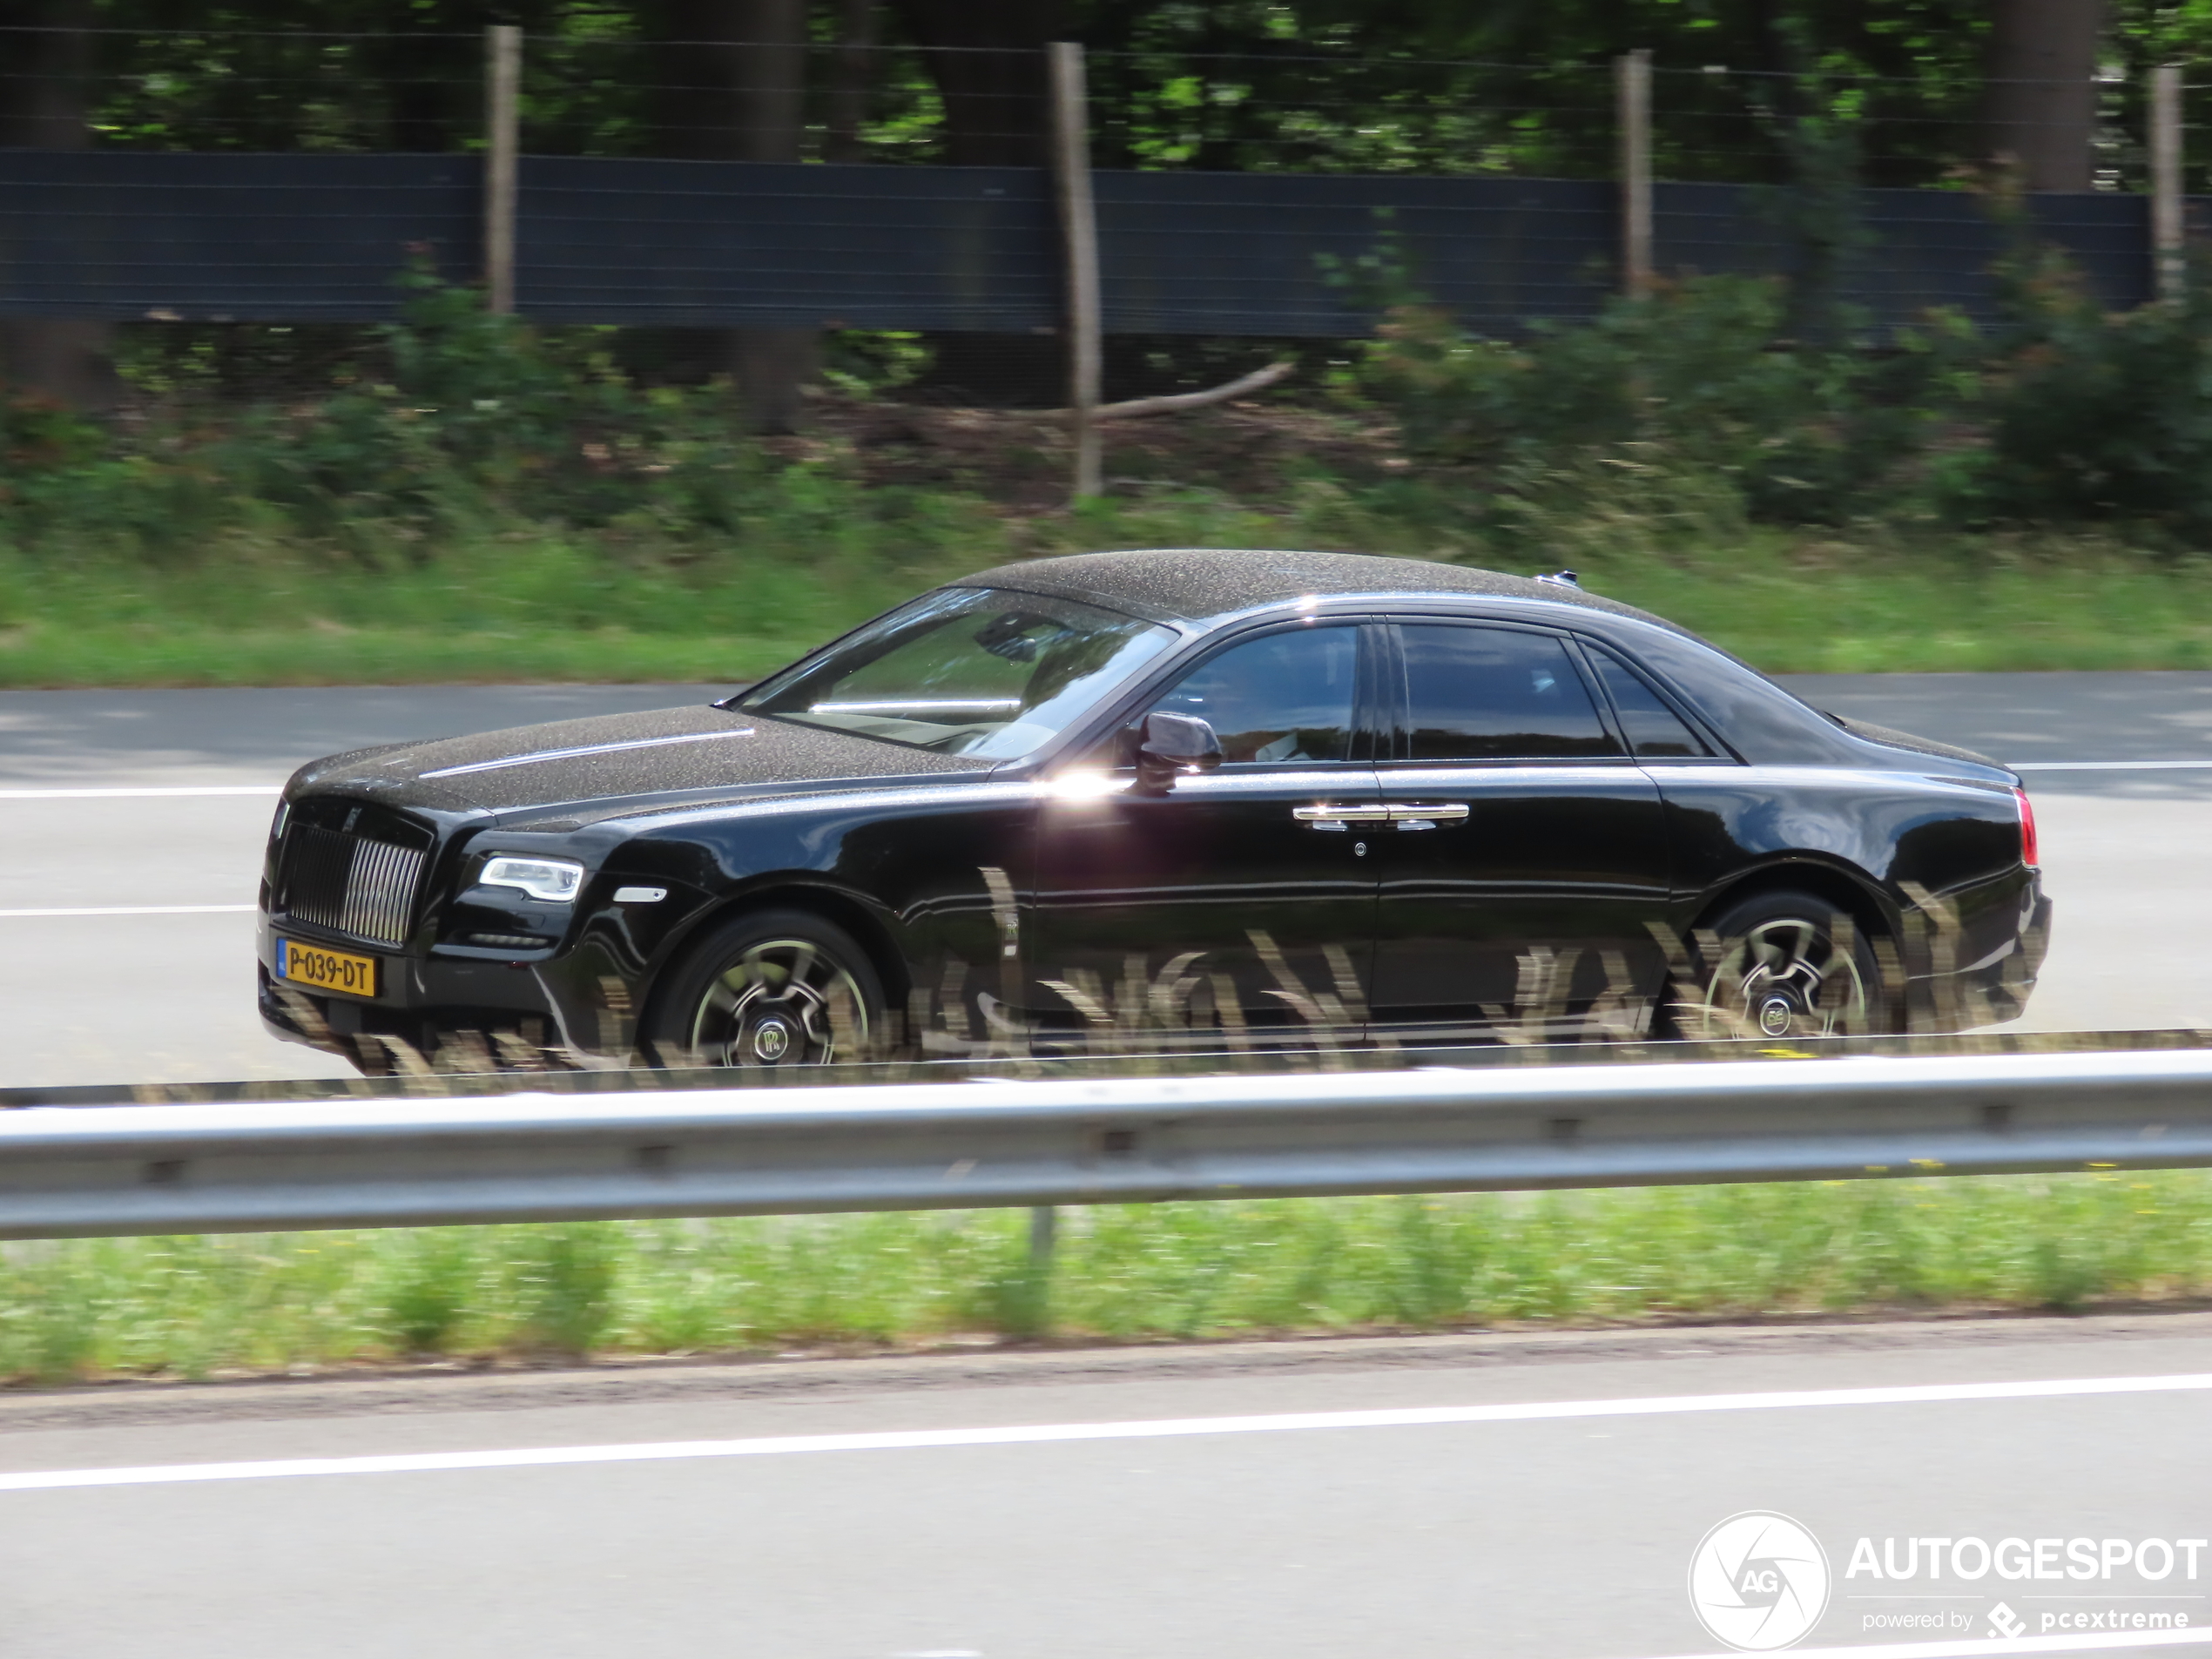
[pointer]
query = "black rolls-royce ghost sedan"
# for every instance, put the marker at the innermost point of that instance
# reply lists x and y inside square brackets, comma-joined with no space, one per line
[1184,798]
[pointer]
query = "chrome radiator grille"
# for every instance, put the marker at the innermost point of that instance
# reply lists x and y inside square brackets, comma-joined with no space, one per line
[351,883]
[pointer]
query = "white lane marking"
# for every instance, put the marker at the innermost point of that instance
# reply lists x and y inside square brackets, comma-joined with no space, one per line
[127,910]
[2071,1642]
[2109,765]
[269,789]
[1047,1434]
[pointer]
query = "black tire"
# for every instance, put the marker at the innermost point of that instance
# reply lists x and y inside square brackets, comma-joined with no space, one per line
[770,987]
[1783,964]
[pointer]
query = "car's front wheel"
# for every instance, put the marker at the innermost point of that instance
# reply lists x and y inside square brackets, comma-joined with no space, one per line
[1783,964]
[775,987]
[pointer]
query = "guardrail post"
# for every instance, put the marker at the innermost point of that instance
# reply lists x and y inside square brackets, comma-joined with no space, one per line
[1025,1294]
[1079,227]
[502,131]
[1632,85]
[2168,270]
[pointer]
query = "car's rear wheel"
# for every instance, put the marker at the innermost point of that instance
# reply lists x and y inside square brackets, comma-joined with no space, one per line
[775,987]
[1783,964]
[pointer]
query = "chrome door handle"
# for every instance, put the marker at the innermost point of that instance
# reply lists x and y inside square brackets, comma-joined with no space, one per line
[1452,810]
[1417,815]
[1334,816]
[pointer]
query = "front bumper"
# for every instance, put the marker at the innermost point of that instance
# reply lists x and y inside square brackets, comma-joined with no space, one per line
[575,1005]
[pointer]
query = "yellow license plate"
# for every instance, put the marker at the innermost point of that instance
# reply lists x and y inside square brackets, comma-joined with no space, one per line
[326,970]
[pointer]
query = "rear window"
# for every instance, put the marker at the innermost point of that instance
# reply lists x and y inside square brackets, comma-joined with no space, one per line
[1654,732]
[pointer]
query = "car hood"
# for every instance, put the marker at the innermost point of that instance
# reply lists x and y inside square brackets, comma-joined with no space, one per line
[619,757]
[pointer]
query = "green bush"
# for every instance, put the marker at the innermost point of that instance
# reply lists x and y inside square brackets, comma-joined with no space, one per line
[482,413]
[2089,414]
[429,1277]
[568,1283]
[467,425]
[466,420]
[2064,413]
[1694,378]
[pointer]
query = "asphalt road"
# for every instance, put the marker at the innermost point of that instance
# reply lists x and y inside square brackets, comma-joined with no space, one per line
[159,988]
[1536,1498]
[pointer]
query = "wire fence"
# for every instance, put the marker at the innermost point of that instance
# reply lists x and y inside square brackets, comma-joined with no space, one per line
[1251,201]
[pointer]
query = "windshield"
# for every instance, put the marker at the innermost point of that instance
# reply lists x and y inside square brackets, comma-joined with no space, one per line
[968,671]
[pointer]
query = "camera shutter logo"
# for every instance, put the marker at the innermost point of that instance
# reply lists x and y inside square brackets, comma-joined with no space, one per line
[1758,1582]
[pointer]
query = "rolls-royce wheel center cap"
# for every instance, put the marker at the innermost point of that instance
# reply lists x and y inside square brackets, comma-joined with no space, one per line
[770,1040]
[1774,1016]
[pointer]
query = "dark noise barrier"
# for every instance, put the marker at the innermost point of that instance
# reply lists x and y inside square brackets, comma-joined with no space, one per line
[123,235]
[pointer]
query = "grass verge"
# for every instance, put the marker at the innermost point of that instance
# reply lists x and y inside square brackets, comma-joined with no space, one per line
[520,602]
[200,1308]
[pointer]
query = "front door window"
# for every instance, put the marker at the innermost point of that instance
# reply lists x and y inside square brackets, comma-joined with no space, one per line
[1282,699]
[1225,908]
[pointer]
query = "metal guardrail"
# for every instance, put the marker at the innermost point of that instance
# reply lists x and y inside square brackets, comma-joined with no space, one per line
[125,1170]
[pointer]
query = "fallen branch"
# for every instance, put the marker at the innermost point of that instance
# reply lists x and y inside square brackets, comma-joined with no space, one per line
[1258,380]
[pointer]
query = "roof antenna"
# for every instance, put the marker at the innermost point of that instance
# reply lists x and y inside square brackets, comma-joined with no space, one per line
[1563,578]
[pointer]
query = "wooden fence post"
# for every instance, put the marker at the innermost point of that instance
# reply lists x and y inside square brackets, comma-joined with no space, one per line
[2168,267]
[502,88]
[1632,85]
[1079,225]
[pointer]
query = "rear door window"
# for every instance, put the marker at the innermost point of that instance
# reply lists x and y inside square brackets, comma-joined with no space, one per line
[1475,693]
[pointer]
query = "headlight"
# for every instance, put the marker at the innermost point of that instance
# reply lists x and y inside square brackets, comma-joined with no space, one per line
[548,881]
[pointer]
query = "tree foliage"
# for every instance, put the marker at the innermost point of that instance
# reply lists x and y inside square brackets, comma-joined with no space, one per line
[1428,86]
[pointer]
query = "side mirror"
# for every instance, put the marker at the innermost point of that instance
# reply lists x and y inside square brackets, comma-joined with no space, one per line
[1172,744]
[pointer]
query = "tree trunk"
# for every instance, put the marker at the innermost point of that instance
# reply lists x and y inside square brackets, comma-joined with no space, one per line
[733,84]
[49,85]
[849,78]
[2040,101]
[986,57]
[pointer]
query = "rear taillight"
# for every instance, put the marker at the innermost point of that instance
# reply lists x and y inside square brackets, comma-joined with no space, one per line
[2029,854]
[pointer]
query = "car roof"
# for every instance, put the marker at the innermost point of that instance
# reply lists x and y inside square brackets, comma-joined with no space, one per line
[1198,587]
[1199,584]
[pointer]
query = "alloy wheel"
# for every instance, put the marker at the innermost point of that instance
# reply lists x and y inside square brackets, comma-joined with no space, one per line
[783,1002]
[1787,976]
